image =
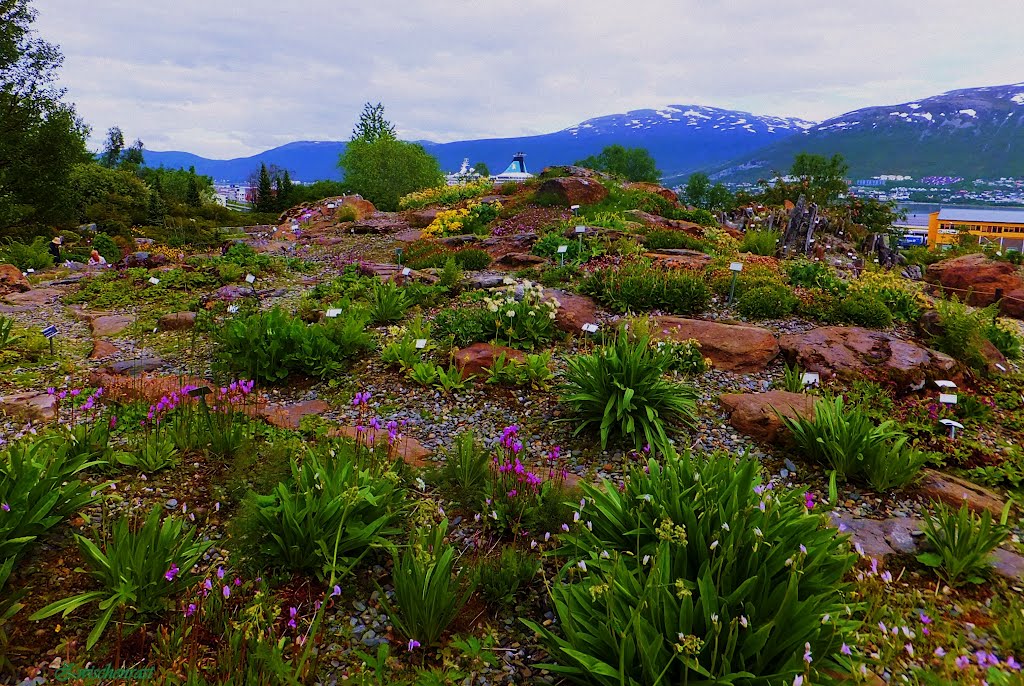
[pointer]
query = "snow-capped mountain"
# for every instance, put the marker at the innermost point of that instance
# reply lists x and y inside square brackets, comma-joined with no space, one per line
[694,117]
[972,132]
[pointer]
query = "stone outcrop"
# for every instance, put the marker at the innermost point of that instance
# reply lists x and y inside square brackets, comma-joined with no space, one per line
[853,352]
[519,260]
[177,321]
[731,347]
[572,190]
[476,359]
[290,416]
[31,406]
[405,448]
[110,325]
[12,280]
[34,297]
[666,193]
[573,310]
[954,491]
[757,414]
[102,349]
[975,273]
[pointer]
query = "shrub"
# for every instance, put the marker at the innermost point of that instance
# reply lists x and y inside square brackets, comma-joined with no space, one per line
[898,294]
[552,277]
[547,246]
[500,578]
[431,255]
[639,287]
[388,302]
[961,332]
[329,515]
[804,273]
[762,242]
[767,302]
[24,256]
[673,240]
[819,305]
[847,440]
[1005,339]
[268,346]
[695,573]
[428,593]
[473,218]
[863,309]
[464,325]
[620,390]
[138,571]
[961,543]
[106,247]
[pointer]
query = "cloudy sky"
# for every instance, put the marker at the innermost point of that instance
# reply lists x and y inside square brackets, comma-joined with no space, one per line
[230,79]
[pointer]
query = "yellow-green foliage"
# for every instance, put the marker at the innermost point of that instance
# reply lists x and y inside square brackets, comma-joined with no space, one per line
[446,195]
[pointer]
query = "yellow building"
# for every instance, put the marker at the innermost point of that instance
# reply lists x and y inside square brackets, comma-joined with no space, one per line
[1002,226]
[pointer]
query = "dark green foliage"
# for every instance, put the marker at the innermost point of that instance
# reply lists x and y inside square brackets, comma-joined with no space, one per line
[767,302]
[466,468]
[34,255]
[388,302]
[268,346]
[106,247]
[849,441]
[1004,339]
[962,333]
[620,392]
[692,574]
[386,169]
[821,306]
[864,309]
[548,244]
[131,568]
[632,164]
[961,542]
[675,240]
[264,191]
[426,255]
[700,193]
[500,578]
[330,514]
[428,591]
[804,273]
[639,287]
[760,242]
[465,325]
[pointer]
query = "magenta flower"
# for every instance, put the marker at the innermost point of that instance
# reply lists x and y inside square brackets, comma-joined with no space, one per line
[172,572]
[336,591]
[962,662]
[191,610]
[807,653]
[220,572]
[238,582]
[208,585]
[292,611]
[226,591]
[845,650]
[413,644]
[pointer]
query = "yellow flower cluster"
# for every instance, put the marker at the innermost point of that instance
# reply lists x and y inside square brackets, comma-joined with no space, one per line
[446,195]
[878,280]
[447,223]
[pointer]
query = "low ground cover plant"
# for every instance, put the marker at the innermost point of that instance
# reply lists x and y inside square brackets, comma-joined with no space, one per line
[639,287]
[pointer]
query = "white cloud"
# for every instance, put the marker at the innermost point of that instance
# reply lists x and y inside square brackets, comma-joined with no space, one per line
[226,79]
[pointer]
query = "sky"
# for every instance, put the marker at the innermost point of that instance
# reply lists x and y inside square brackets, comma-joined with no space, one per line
[229,79]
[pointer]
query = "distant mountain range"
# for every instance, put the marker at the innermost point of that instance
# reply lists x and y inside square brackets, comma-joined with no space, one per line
[977,132]
[973,133]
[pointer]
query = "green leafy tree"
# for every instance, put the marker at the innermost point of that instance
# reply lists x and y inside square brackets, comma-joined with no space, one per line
[41,137]
[875,215]
[482,169]
[382,168]
[820,178]
[372,126]
[193,198]
[112,198]
[697,191]
[633,164]
[132,158]
[285,190]
[265,200]
[112,148]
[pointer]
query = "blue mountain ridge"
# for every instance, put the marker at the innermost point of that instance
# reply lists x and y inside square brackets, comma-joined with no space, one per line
[681,138]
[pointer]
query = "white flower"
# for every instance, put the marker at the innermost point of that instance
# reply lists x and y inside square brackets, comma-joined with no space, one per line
[532,313]
[725,525]
[605,555]
[582,565]
[714,618]
[744,622]
[551,316]
[757,532]
[647,559]
[714,544]
[511,313]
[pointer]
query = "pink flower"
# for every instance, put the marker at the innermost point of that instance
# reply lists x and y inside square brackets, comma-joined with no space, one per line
[191,610]
[5,507]
[226,591]
[845,650]
[413,644]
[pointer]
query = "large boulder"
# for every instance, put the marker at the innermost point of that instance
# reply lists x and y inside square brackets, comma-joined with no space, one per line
[143,259]
[177,321]
[290,416]
[12,280]
[571,190]
[573,311]
[364,208]
[757,414]
[421,219]
[666,193]
[731,347]
[476,359]
[975,278]
[110,325]
[954,491]
[34,297]
[853,352]
[31,406]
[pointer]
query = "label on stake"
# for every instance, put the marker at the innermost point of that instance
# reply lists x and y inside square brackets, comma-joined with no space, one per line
[563,248]
[249,278]
[153,280]
[421,343]
[332,313]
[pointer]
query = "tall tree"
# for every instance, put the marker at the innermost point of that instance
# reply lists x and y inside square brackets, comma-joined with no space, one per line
[112,148]
[482,169]
[697,190]
[41,137]
[822,179]
[265,201]
[372,126]
[632,164]
[193,197]
[382,168]
[285,190]
[132,158]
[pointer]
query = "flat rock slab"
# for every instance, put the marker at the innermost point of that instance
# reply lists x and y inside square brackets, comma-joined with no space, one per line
[38,296]
[119,388]
[135,367]
[853,352]
[476,359]
[36,407]
[290,416]
[756,414]
[731,347]
[102,349]
[407,449]
[880,537]
[177,321]
[954,492]
[110,325]
[573,310]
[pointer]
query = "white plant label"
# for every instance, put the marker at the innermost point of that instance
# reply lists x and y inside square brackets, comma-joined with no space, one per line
[153,280]
[331,314]
[232,309]
[947,398]
[811,378]
[406,272]
[736,266]
[563,248]
[249,278]
[581,229]
[943,383]
[421,343]
[31,270]
[590,328]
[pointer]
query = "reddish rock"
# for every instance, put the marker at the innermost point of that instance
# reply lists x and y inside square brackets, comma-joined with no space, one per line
[654,221]
[380,223]
[571,190]
[573,310]
[36,296]
[975,273]
[32,406]
[409,236]
[731,347]
[102,349]
[1012,304]
[12,280]
[149,389]
[109,325]
[177,321]
[853,352]
[519,260]
[681,259]
[363,208]
[290,416]
[756,414]
[955,491]
[880,537]
[421,219]
[476,359]
[405,448]
[666,193]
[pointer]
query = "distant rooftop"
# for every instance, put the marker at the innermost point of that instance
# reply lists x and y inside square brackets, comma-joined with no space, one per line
[995,216]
